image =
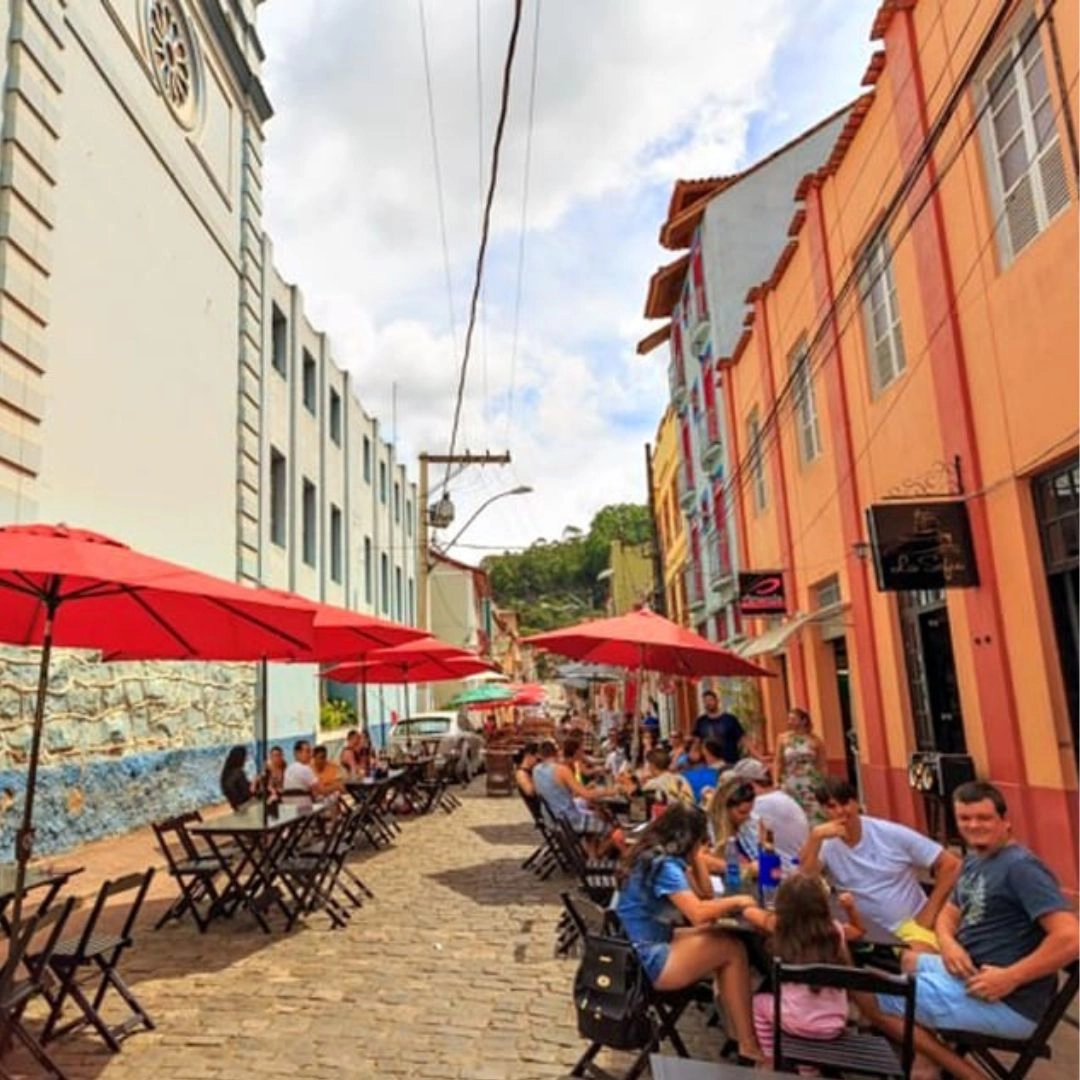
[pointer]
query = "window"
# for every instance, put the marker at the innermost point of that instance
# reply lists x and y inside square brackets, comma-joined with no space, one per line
[410,615]
[408,517]
[309,522]
[382,482]
[877,289]
[335,544]
[367,460]
[310,383]
[827,593]
[1022,144]
[279,341]
[369,571]
[397,502]
[806,418]
[279,486]
[756,459]
[398,593]
[335,417]
[384,583]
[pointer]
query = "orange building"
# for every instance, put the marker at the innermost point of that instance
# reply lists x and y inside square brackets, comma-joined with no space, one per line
[902,408]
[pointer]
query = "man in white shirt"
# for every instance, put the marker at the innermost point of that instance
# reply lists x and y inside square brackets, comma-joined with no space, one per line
[776,810]
[879,862]
[301,784]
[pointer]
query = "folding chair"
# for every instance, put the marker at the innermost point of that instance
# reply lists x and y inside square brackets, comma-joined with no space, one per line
[92,957]
[852,1051]
[16,993]
[546,859]
[1027,1051]
[193,872]
[312,875]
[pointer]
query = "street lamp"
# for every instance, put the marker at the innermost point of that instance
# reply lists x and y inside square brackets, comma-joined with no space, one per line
[521,489]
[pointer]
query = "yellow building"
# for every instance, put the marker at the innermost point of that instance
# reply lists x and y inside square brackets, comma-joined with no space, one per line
[669,520]
[632,581]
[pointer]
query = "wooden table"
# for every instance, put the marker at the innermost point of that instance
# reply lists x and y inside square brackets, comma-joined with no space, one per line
[676,1068]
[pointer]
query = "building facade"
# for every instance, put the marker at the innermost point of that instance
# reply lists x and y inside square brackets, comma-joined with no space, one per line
[142,329]
[903,414]
[669,522]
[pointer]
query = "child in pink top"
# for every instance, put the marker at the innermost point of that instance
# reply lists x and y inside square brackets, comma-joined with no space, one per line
[804,932]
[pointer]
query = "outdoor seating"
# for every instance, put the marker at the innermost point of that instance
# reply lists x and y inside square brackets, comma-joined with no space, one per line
[546,859]
[85,968]
[17,992]
[193,872]
[311,875]
[853,1051]
[985,1048]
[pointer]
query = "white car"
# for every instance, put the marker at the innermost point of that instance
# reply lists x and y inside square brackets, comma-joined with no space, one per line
[449,733]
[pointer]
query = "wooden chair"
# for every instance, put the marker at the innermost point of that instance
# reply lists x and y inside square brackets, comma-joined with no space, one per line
[983,1047]
[853,1051]
[193,871]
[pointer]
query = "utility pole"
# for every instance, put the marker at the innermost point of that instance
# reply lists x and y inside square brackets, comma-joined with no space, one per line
[423,566]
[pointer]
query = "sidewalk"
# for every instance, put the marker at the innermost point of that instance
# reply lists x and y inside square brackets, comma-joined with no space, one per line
[447,973]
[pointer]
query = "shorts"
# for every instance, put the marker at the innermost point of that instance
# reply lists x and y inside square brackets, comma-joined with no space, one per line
[653,956]
[587,824]
[942,1002]
[911,933]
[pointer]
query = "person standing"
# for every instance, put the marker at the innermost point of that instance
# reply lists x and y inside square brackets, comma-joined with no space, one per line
[722,728]
[800,762]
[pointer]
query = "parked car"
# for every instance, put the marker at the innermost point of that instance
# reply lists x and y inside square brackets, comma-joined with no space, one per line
[452,734]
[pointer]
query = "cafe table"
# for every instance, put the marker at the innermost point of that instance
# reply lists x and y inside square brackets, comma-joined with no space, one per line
[251,844]
[50,878]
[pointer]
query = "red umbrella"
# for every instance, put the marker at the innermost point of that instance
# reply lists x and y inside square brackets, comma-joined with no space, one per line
[528,694]
[646,640]
[71,587]
[425,660]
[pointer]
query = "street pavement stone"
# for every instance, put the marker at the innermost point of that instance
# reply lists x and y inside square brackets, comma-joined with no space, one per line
[448,974]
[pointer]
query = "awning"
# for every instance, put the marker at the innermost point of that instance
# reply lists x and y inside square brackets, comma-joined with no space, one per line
[777,637]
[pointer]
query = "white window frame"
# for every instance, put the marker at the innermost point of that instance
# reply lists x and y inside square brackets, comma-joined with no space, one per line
[756,459]
[877,295]
[808,431]
[1016,81]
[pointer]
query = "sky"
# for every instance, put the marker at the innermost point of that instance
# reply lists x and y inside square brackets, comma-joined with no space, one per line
[625,97]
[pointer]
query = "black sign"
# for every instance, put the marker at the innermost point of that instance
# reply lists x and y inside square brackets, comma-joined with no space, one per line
[922,546]
[762,593]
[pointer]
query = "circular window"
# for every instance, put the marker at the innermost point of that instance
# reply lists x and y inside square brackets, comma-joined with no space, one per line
[174,60]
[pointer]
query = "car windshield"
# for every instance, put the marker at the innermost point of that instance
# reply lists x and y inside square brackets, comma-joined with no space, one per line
[433,725]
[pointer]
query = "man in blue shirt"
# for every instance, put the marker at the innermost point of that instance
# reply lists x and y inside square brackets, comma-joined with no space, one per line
[1004,936]
[722,727]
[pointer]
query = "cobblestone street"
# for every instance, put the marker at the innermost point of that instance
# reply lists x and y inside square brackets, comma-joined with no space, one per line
[448,972]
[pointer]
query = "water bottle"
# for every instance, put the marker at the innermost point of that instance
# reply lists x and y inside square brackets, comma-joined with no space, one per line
[769,870]
[732,869]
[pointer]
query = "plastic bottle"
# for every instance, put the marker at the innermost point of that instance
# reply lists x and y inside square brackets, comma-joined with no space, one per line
[768,870]
[732,869]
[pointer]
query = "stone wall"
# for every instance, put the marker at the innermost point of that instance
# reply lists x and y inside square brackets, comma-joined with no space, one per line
[123,744]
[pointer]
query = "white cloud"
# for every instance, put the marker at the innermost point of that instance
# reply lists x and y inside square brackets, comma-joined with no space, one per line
[630,95]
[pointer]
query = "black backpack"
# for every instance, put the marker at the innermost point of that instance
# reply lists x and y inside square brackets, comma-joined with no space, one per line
[610,995]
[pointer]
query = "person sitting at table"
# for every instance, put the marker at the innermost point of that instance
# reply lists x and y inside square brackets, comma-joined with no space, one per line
[730,811]
[301,785]
[773,809]
[567,798]
[617,757]
[275,769]
[523,773]
[327,772]
[1005,934]
[664,881]
[703,777]
[802,930]
[355,757]
[235,785]
[879,862]
[668,785]
[677,749]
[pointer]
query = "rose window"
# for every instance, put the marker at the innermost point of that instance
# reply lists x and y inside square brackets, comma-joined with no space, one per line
[172,56]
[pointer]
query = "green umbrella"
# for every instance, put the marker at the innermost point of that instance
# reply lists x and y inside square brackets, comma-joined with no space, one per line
[487,693]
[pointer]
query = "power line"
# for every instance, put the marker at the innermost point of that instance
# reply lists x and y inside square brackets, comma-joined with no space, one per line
[438,174]
[486,226]
[524,222]
[480,191]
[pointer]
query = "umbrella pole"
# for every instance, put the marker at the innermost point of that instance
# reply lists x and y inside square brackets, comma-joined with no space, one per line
[262,752]
[24,838]
[363,704]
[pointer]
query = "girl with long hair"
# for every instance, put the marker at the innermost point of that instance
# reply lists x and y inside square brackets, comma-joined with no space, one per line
[804,932]
[729,808]
[235,785]
[664,883]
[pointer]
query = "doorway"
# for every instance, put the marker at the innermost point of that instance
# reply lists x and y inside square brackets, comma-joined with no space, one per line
[847,725]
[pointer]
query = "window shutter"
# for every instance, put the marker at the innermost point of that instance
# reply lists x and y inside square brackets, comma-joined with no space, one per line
[1055,186]
[1020,216]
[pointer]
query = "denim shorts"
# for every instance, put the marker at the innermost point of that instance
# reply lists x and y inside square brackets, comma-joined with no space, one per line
[653,956]
[942,1002]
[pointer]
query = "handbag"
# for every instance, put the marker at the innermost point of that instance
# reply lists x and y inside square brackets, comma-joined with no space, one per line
[610,995]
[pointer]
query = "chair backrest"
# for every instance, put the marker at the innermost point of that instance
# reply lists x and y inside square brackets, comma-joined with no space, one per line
[1070,982]
[174,839]
[19,949]
[137,883]
[842,977]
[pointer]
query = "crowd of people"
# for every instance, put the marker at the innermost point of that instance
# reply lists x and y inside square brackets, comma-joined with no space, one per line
[984,936]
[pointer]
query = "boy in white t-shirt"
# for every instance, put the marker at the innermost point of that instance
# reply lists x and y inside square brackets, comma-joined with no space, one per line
[879,862]
[300,777]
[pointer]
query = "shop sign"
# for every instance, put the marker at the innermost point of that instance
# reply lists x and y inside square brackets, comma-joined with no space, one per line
[922,545]
[762,593]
